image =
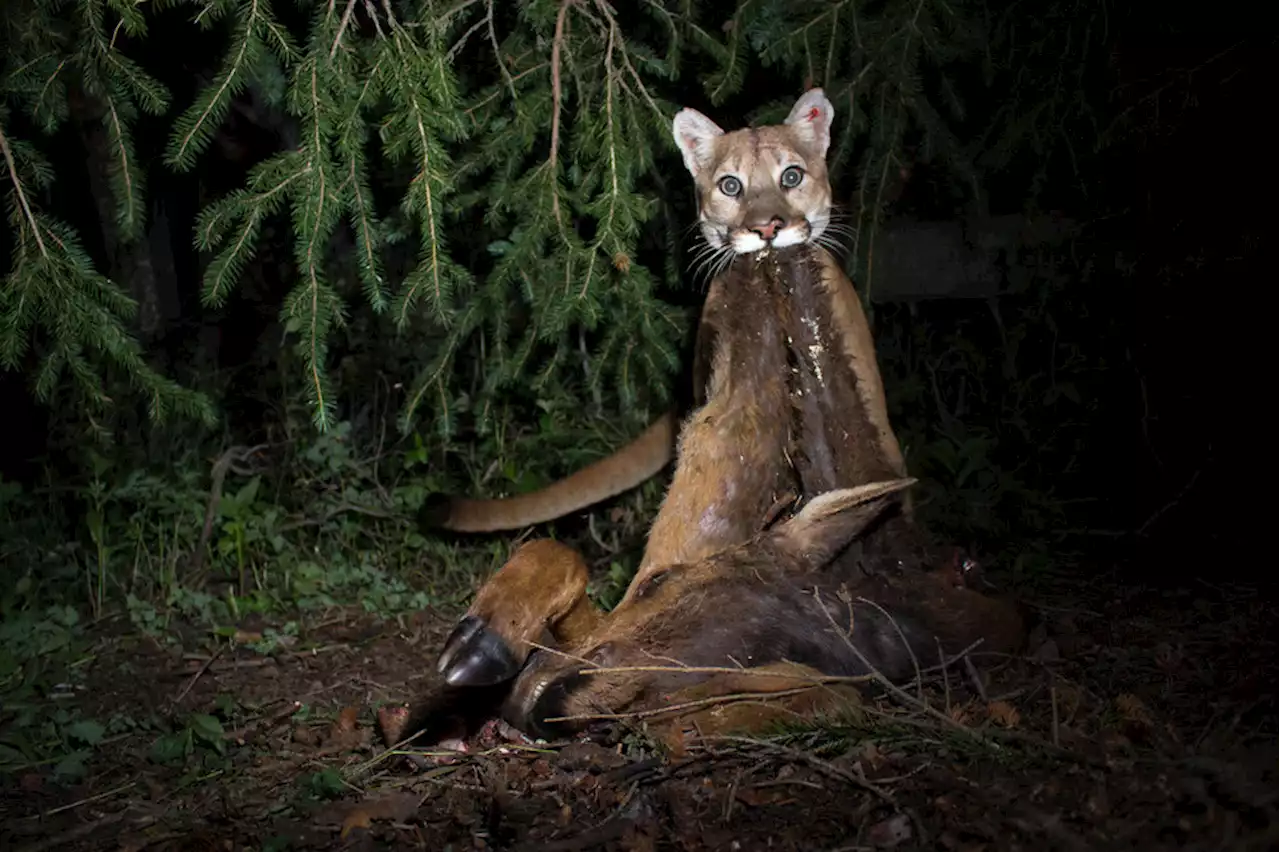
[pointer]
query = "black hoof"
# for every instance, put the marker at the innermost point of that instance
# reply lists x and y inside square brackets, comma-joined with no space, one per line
[474,655]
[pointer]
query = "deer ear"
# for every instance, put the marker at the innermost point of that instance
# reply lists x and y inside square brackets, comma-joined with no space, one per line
[832,520]
[695,135]
[810,120]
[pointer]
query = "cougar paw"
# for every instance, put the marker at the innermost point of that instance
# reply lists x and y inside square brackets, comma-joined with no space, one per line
[474,655]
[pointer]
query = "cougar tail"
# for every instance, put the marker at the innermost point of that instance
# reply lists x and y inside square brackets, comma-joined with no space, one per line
[625,469]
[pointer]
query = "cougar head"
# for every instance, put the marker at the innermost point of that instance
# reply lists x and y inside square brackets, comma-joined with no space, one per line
[760,187]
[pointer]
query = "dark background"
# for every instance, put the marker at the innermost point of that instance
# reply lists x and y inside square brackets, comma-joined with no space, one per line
[1173,454]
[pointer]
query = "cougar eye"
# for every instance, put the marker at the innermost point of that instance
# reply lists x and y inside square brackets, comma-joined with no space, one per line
[730,186]
[791,177]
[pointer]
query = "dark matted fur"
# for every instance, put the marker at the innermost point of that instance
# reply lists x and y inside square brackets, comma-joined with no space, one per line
[722,583]
[834,442]
[779,597]
[733,454]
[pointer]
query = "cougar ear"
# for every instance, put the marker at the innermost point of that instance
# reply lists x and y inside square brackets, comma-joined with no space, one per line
[832,520]
[695,135]
[810,120]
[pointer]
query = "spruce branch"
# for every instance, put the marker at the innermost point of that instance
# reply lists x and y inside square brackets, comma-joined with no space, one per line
[342,28]
[497,52]
[494,95]
[128,186]
[557,45]
[194,129]
[643,89]
[562,165]
[372,12]
[462,40]
[423,85]
[28,215]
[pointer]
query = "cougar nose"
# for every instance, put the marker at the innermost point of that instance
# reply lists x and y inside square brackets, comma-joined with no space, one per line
[768,230]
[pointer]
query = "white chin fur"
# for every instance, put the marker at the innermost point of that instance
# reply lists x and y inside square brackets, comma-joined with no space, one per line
[792,236]
[748,242]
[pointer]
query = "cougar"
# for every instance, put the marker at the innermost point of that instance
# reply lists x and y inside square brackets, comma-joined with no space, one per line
[789,412]
[757,188]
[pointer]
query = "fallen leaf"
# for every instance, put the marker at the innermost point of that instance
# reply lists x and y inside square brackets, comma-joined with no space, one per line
[1133,710]
[393,807]
[357,818]
[756,797]
[1097,804]
[960,713]
[871,755]
[1004,714]
[671,735]
[344,733]
[347,719]
[391,721]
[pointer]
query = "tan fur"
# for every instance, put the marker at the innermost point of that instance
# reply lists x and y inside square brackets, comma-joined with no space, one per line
[733,468]
[541,588]
[625,469]
[639,647]
[757,158]
[861,351]
[732,464]
[752,701]
[780,416]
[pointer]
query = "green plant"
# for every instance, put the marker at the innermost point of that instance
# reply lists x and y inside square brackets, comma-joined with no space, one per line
[200,732]
[39,650]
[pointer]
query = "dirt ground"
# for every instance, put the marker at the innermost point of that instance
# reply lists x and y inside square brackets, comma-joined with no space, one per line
[1138,720]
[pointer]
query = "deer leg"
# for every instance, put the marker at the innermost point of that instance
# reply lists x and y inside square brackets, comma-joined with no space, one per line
[753,700]
[538,597]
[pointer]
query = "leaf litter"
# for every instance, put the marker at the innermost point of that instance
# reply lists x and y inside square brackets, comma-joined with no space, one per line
[1144,725]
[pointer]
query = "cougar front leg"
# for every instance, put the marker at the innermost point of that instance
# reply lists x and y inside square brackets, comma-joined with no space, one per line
[538,596]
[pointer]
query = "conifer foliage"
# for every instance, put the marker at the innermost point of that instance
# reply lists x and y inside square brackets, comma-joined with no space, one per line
[540,128]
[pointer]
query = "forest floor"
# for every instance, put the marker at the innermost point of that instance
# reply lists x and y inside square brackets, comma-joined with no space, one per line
[1140,719]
